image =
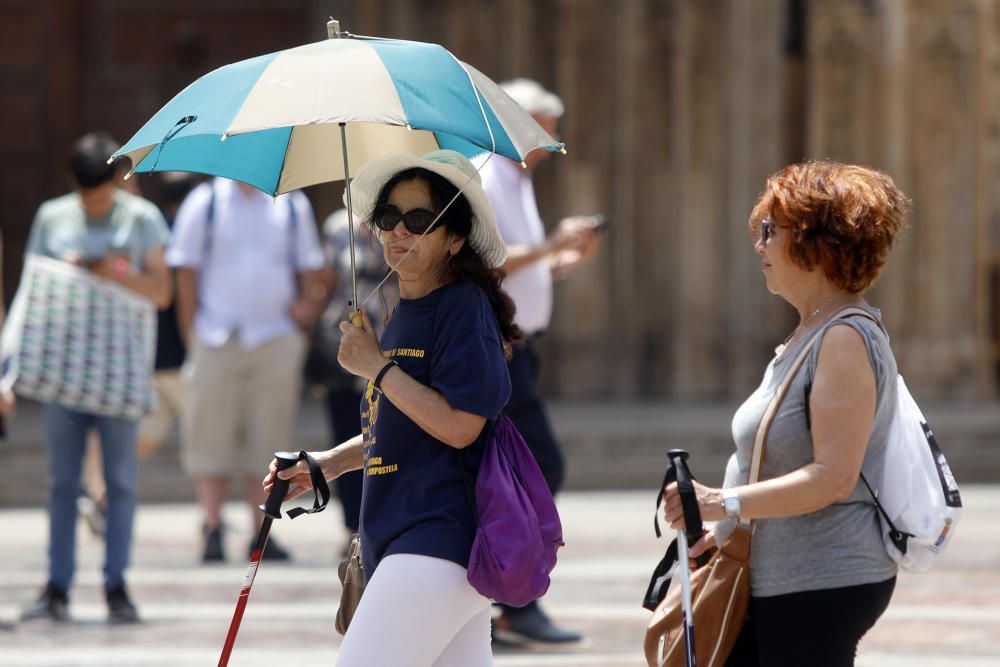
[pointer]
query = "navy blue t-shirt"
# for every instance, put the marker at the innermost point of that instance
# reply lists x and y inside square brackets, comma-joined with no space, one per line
[416,497]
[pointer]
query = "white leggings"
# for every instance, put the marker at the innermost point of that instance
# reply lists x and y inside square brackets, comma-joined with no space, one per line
[418,611]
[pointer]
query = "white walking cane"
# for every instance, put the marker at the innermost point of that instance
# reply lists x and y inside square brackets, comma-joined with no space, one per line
[685,574]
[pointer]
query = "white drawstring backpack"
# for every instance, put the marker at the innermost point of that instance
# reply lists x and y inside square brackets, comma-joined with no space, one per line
[917,497]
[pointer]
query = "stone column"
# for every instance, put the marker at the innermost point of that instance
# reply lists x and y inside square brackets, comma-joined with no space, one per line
[727,127]
[701,114]
[944,341]
[755,320]
[991,150]
[586,336]
[899,86]
[648,190]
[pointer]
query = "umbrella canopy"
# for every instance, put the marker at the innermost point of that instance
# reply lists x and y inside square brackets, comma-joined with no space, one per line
[280,121]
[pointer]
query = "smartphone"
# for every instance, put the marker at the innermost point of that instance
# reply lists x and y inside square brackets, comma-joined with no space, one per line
[603,222]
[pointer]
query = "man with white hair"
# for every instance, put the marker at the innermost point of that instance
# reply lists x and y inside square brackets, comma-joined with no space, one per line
[534,258]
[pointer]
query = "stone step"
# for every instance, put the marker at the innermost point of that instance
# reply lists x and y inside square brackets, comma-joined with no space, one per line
[608,445]
[946,617]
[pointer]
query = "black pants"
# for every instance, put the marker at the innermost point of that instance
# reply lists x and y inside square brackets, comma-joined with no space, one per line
[816,628]
[343,409]
[526,410]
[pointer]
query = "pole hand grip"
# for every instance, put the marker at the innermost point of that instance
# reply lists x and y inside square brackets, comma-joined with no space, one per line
[272,507]
[693,527]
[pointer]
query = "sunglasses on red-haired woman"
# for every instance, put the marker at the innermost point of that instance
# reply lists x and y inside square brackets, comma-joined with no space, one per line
[767,229]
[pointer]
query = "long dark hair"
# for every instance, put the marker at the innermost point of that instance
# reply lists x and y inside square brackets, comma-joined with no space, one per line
[466,264]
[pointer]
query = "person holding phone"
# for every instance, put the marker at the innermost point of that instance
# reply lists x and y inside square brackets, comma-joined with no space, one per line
[534,260]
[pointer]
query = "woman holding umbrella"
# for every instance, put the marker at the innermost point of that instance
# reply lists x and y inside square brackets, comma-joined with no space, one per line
[435,380]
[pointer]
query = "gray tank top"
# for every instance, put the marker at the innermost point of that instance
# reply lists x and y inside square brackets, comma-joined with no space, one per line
[839,545]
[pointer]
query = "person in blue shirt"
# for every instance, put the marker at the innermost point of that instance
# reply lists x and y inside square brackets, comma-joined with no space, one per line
[436,380]
[120,238]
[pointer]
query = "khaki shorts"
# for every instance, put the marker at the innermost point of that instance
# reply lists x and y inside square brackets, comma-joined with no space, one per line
[154,428]
[241,405]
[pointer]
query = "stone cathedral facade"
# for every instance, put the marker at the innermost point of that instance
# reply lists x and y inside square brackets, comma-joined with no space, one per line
[677,111]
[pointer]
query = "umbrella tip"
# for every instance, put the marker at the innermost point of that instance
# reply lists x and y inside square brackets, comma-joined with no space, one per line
[225,135]
[333,28]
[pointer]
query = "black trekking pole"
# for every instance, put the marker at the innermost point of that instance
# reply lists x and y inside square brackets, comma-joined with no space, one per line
[272,511]
[692,532]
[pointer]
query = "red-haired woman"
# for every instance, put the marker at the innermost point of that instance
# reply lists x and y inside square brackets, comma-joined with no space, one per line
[820,577]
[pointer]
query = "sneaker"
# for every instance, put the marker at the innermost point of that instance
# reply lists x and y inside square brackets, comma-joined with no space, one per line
[52,604]
[94,514]
[213,552]
[272,551]
[530,625]
[120,607]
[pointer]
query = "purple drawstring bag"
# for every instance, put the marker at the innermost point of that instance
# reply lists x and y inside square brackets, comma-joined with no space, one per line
[518,529]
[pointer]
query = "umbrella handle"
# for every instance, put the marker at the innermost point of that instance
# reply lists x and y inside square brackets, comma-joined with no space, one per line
[354,316]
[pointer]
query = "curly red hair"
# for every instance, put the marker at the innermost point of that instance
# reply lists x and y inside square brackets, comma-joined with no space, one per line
[843,218]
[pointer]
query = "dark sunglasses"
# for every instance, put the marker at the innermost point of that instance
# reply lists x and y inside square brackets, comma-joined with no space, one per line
[767,228]
[416,220]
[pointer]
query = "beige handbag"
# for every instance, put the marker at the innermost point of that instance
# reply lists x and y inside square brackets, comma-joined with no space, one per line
[720,589]
[720,594]
[352,579]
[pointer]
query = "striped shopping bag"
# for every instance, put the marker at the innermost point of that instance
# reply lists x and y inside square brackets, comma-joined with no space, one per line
[74,339]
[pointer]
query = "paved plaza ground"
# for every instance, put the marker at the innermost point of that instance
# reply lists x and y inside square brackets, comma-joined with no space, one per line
[948,617]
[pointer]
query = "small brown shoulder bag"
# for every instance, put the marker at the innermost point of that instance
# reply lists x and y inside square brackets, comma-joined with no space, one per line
[720,589]
[352,580]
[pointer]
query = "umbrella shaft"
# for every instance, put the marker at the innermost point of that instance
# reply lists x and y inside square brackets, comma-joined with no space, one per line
[350,216]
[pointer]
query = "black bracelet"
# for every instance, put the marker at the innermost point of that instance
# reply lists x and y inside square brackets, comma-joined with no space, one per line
[381,374]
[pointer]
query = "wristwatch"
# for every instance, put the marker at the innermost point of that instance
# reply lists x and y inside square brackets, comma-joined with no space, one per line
[731,503]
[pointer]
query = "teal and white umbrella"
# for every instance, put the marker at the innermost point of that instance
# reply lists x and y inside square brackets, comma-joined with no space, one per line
[318,112]
[281,121]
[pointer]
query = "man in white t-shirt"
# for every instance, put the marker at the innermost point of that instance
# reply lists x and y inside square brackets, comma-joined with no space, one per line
[247,286]
[533,259]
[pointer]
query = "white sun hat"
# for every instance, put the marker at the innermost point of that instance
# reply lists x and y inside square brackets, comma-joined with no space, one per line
[533,98]
[456,168]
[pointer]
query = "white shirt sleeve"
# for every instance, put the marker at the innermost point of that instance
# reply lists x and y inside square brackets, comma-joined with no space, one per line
[494,188]
[187,244]
[309,252]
